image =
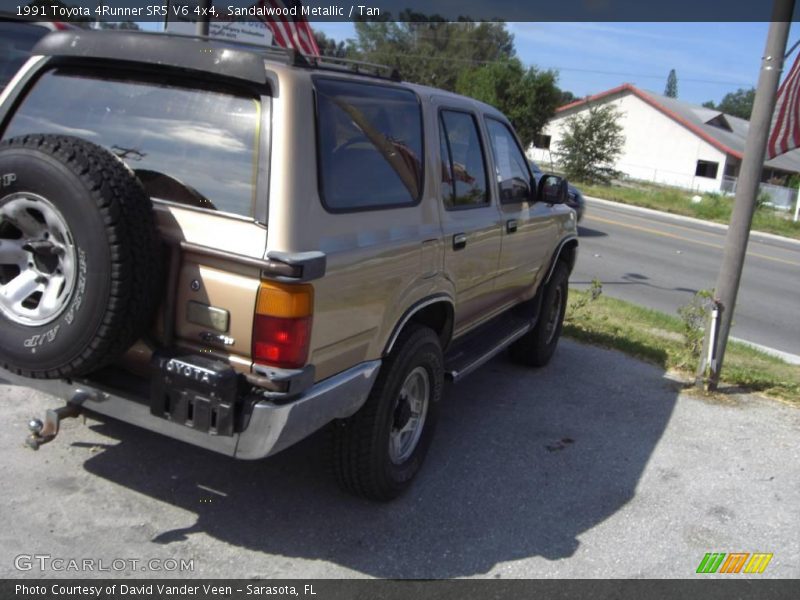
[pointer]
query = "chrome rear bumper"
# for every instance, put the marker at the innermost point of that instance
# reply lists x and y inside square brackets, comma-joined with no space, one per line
[271,428]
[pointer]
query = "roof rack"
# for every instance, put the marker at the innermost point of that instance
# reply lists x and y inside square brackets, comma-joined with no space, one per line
[353,66]
[291,56]
[298,59]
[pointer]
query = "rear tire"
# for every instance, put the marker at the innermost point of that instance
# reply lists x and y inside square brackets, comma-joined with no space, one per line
[379,450]
[536,348]
[80,257]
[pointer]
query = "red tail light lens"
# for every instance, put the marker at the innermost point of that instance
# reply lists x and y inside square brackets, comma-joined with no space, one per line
[280,341]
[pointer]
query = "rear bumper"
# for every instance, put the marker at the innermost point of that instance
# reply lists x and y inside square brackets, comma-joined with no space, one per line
[272,427]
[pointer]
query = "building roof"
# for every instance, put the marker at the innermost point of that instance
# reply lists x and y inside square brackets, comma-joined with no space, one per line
[723,131]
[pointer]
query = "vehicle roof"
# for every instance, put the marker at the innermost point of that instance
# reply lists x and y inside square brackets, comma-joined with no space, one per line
[6,17]
[200,54]
[231,59]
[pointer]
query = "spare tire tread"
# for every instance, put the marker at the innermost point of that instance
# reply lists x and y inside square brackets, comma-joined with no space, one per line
[135,248]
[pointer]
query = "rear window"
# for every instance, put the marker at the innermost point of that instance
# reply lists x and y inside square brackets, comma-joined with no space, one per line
[369,145]
[191,146]
[16,42]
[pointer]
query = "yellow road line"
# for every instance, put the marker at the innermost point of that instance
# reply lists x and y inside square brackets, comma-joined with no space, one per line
[712,230]
[685,239]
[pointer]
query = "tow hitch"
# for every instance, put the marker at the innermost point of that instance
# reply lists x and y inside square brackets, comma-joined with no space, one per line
[43,432]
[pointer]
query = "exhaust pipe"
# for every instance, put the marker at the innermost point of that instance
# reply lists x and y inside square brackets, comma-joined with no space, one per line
[44,432]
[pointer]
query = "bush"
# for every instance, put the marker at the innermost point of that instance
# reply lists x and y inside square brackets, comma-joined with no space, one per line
[591,144]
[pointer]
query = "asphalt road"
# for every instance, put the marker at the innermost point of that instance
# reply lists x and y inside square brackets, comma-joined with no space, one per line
[596,466]
[660,262]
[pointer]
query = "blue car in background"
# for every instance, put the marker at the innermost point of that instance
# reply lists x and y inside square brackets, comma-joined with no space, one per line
[574,199]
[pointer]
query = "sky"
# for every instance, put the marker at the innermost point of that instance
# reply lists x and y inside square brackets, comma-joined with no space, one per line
[710,59]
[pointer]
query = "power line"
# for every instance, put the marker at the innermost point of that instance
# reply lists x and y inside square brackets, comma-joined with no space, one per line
[476,61]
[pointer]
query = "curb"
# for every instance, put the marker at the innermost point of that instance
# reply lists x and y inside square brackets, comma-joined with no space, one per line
[685,219]
[792,359]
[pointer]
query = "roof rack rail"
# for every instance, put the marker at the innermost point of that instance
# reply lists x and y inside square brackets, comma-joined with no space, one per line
[298,59]
[353,66]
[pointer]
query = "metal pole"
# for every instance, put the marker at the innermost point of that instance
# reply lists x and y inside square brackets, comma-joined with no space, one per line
[733,256]
[797,205]
[202,22]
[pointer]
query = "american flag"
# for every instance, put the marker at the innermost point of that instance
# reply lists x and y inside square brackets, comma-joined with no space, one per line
[290,31]
[785,133]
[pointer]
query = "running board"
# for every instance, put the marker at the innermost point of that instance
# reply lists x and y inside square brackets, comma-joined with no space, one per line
[482,345]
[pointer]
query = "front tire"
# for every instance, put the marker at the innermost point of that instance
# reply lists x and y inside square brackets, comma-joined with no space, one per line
[379,450]
[536,348]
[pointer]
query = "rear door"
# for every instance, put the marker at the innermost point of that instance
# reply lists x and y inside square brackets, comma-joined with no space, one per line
[470,220]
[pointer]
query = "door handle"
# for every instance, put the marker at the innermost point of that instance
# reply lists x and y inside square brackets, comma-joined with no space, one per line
[511,226]
[459,241]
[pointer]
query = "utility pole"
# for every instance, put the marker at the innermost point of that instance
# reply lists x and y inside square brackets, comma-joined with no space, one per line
[733,256]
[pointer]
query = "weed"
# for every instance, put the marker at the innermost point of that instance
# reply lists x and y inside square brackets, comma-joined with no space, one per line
[577,309]
[693,318]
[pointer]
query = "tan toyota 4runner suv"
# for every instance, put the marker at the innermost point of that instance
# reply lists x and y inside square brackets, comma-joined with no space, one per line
[236,247]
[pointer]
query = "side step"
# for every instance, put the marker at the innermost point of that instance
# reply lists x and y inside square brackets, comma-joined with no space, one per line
[483,344]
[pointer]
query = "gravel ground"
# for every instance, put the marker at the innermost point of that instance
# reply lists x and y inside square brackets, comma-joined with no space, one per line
[597,466]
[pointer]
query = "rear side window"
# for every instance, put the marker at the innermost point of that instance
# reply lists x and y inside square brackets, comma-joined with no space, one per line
[16,41]
[463,170]
[191,146]
[369,145]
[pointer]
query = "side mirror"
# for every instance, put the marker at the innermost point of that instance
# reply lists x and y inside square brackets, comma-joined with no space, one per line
[552,189]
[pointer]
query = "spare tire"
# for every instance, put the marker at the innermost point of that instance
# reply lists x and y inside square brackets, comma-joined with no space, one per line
[80,257]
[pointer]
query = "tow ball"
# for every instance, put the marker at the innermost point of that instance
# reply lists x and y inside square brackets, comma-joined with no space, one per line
[43,432]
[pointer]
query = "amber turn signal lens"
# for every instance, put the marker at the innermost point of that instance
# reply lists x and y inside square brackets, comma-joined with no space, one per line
[287,301]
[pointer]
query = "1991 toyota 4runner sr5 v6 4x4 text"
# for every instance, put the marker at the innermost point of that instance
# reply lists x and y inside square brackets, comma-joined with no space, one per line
[236,247]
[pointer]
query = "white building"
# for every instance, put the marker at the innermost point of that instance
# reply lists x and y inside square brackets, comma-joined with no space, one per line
[669,141]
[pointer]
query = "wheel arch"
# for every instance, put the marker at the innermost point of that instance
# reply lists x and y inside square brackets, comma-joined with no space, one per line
[436,312]
[567,251]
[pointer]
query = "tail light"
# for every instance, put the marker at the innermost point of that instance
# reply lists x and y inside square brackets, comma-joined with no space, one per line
[282,324]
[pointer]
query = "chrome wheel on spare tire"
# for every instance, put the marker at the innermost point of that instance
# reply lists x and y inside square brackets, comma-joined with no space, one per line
[80,257]
[37,260]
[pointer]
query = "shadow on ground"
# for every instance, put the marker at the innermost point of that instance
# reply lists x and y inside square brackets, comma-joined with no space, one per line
[523,463]
[639,280]
[584,231]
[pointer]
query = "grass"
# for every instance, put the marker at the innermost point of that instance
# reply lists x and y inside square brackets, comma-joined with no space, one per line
[713,207]
[658,338]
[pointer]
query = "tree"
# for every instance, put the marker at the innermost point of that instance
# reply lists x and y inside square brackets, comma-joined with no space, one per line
[591,144]
[566,98]
[738,103]
[671,89]
[528,97]
[329,46]
[430,50]
[709,104]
